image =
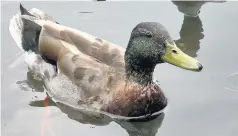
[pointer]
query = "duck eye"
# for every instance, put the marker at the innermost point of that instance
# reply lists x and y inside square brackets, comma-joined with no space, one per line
[148,34]
[174,51]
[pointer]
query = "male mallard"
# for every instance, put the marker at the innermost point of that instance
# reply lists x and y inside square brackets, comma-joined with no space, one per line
[111,79]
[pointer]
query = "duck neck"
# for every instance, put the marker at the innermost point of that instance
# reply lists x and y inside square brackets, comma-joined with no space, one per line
[138,71]
[140,60]
[140,78]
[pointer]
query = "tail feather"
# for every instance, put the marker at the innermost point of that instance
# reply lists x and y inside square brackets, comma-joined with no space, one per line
[24,30]
[30,35]
[15,28]
[24,11]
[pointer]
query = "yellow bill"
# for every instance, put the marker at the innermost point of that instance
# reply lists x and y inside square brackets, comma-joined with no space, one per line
[175,56]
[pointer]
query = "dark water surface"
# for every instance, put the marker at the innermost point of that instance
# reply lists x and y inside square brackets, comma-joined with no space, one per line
[204,103]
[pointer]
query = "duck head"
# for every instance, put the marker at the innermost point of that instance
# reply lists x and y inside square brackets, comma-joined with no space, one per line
[151,44]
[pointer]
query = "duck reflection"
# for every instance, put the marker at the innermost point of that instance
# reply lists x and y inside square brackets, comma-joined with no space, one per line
[133,127]
[192,8]
[32,82]
[145,127]
[192,29]
[190,35]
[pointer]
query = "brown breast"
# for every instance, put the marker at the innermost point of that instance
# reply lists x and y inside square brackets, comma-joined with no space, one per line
[136,100]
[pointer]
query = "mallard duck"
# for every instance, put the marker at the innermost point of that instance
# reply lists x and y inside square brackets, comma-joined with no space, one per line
[111,79]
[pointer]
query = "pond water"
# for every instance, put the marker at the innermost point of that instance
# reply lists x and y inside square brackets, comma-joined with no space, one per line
[204,103]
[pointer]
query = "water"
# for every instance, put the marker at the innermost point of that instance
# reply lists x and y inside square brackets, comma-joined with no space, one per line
[204,103]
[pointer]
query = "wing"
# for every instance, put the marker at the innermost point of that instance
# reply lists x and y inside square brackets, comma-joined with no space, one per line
[77,41]
[86,72]
[90,63]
